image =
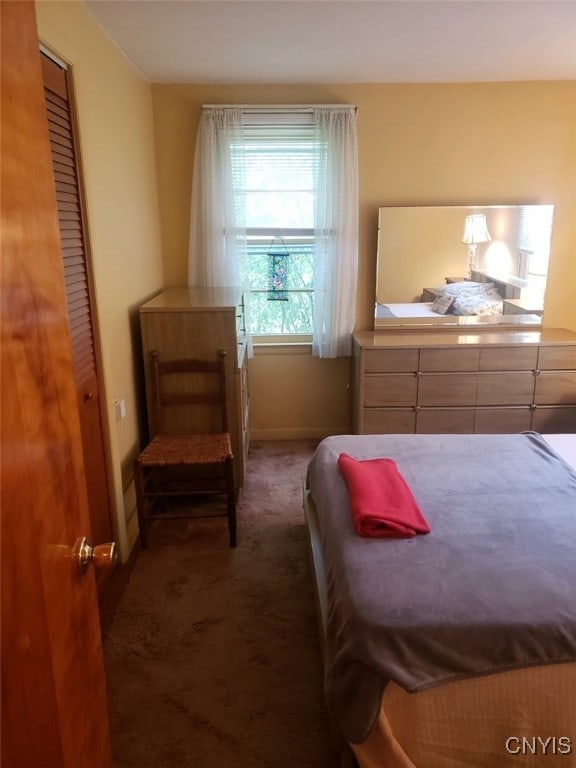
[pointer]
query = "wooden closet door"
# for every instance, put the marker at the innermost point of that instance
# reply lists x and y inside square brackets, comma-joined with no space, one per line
[54,708]
[78,294]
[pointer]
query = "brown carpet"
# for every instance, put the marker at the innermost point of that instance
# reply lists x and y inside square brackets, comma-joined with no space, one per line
[212,657]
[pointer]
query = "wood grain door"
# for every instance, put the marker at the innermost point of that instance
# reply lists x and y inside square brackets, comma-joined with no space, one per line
[54,709]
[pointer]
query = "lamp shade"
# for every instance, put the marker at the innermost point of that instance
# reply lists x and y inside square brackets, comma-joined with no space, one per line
[475,229]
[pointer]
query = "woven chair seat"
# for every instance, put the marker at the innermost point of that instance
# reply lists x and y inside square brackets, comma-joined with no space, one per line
[177,450]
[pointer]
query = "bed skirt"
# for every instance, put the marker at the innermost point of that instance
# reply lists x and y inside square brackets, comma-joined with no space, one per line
[524,718]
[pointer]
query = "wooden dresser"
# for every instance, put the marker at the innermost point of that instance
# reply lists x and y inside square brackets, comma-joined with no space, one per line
[499,382]
[198,322]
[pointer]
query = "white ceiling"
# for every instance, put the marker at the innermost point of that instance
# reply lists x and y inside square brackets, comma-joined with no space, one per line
[343,41]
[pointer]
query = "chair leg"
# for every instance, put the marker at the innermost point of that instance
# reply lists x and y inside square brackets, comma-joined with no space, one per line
[231,501]
[140,502]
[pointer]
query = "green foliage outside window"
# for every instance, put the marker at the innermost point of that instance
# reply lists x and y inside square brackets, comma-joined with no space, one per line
[294,315]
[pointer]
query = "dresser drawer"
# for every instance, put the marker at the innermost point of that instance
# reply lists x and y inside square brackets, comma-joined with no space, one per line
[389,421]
[508,358]
[449,359]
[454,421]
[447,389]
[246,436]
[512,388]
[390,389]
[496,421]
[556,388]
[244,383]
[390,360]
[557,358]
[554,420]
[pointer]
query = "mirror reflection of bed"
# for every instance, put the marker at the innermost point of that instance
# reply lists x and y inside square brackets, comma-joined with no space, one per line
[462,265]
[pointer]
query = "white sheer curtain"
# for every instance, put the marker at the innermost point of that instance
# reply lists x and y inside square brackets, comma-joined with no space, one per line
[217,229]
[335,230]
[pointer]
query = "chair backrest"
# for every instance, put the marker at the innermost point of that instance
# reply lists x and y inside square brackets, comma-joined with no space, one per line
[188,395]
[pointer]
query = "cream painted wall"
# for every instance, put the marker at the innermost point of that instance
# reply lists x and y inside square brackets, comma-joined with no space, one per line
[425,144]
[294,395]
[417,253]
[114,106]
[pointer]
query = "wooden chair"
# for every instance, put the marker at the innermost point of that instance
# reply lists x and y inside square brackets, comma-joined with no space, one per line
[192,463]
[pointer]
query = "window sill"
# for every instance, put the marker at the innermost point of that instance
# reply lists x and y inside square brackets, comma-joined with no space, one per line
[285,339]
[279,346]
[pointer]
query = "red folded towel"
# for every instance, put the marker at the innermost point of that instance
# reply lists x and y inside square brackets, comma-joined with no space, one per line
[382,503]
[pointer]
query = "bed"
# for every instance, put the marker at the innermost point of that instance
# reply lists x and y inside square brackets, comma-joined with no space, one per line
[456,649]
[466,298]
[414,309]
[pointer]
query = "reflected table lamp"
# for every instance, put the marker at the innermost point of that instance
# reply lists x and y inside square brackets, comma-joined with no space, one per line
[475,231]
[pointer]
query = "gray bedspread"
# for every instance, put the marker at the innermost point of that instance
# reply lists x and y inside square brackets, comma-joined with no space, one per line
[491,588]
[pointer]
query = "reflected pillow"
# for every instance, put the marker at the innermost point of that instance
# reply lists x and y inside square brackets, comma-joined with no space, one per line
[465,287]
[478,304]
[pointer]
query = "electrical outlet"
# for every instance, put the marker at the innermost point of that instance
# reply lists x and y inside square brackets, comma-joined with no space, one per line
[120,409]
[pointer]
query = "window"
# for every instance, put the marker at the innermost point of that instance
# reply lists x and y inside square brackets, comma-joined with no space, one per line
[275,211]
[273,170]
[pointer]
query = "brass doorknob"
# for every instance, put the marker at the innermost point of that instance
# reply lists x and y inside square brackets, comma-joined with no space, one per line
[103,556]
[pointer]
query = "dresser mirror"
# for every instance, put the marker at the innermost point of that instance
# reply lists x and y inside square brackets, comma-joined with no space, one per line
[462,265]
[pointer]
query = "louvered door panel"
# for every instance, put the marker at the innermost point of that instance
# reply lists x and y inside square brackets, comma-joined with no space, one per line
[71,232]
